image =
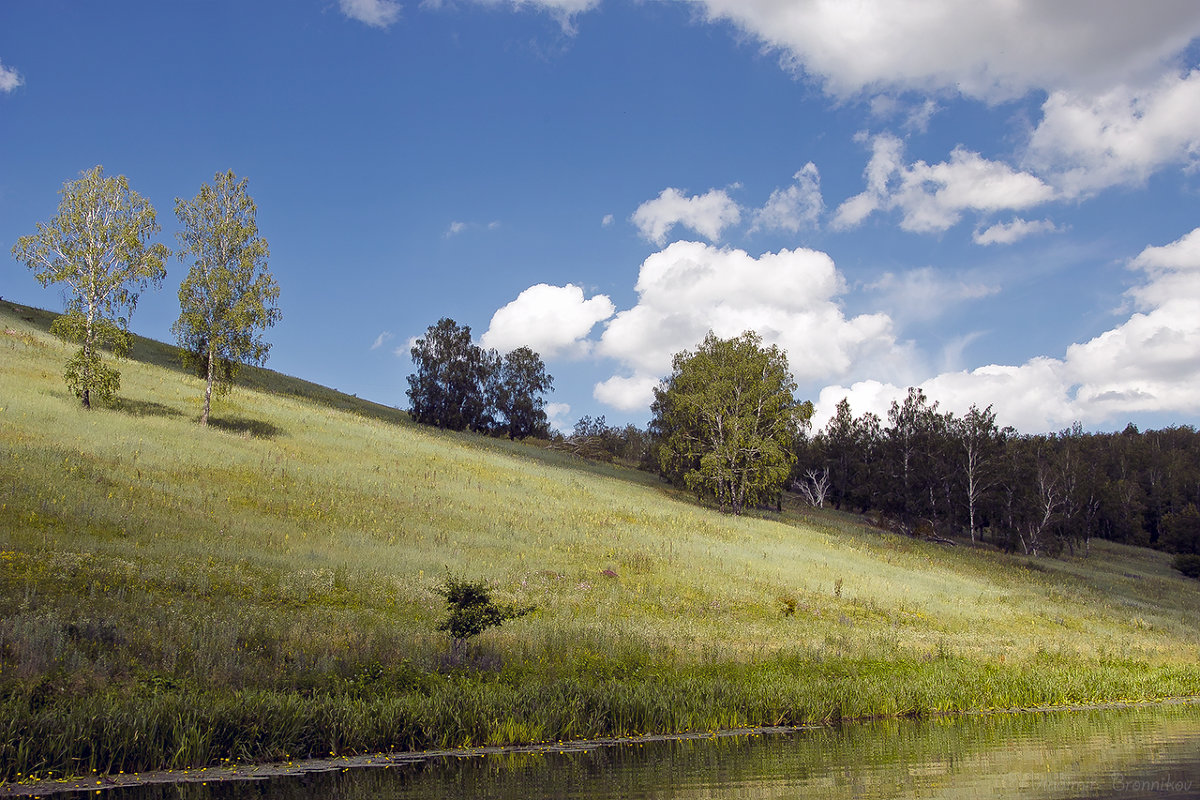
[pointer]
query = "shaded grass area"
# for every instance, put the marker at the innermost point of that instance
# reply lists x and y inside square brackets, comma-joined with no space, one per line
[172,596]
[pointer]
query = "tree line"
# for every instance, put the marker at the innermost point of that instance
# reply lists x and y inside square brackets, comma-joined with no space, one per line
[951,475]
[100,245]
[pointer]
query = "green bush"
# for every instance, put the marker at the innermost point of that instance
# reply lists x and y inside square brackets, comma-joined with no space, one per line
[472,610]
[1188,564]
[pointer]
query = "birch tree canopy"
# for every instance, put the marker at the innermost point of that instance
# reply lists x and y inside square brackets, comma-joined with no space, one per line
[728,419]
[228,297]
[99,246]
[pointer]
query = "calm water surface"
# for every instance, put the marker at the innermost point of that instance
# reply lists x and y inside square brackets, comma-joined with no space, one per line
[1127,753]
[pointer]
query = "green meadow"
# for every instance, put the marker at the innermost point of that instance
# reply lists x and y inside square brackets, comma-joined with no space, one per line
[173,596]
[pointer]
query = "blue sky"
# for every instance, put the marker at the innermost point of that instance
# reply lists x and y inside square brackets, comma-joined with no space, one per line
[998,201]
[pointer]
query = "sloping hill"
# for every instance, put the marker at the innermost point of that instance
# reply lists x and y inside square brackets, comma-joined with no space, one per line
[283,565]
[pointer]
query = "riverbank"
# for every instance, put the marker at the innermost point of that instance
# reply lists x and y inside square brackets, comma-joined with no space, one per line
[290,769]
[176,597]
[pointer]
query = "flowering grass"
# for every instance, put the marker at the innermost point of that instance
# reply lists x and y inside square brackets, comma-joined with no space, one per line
[172,596]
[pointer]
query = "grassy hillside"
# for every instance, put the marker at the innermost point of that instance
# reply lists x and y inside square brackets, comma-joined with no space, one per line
[173,596]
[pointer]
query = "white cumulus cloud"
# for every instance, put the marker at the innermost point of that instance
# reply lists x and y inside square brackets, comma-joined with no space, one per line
[798,206]
[559,417]
[10,79]
[1150,362]
[1014,231]
[987,49]
[708,214]
[1090,141]
[788,297]
[552,320]
[376,13]
[933,197]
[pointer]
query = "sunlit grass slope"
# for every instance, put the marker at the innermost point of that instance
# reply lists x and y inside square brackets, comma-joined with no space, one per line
[283,563]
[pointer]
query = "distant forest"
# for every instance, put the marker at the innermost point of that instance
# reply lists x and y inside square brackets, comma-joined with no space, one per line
[934,472]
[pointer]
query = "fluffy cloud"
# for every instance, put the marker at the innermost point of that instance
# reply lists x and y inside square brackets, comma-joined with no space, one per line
[1086,142]
[1152,361]
[1030,397]
[988,49]
[1182,255]
[933,197]
[552,320]
[559,417]
[382,339]
[1009,232]
[710,214]
[376,13]
[798,206]
[627,393]
[1148,363]
[10,79]
[707,214]
[1116,109]
[789,297]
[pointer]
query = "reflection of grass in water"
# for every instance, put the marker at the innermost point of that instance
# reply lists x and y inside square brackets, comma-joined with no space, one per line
[282,565]
[1057,754]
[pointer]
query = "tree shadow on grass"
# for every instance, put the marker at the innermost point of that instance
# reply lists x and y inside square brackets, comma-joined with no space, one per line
[246,427]
[144,408]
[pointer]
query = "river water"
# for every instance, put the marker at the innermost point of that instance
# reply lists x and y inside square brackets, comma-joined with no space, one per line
[1143,752]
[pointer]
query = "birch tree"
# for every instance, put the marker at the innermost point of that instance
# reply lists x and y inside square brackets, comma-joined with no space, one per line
[728,421]
[99,245]
[981,443]
[228,298]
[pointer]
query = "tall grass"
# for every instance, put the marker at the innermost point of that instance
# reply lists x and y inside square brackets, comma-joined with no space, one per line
[159,582]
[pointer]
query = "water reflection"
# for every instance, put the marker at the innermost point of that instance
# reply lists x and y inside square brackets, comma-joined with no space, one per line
[1128,753]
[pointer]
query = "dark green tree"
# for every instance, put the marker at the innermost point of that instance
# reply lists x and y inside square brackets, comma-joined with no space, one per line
[1181,531]
[520,387]
[727,421]
[228,296]
[453,380]
[99,246]
[912,439]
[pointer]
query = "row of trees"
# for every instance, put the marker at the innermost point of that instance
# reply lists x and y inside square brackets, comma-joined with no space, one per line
[460,386]
[594,438]
[727,426]
[965,475]
[100,246]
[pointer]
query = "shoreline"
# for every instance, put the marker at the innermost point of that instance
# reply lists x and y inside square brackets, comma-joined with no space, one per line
[285,769]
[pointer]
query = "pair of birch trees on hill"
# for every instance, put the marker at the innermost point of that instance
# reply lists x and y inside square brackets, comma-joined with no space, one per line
[99,245]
